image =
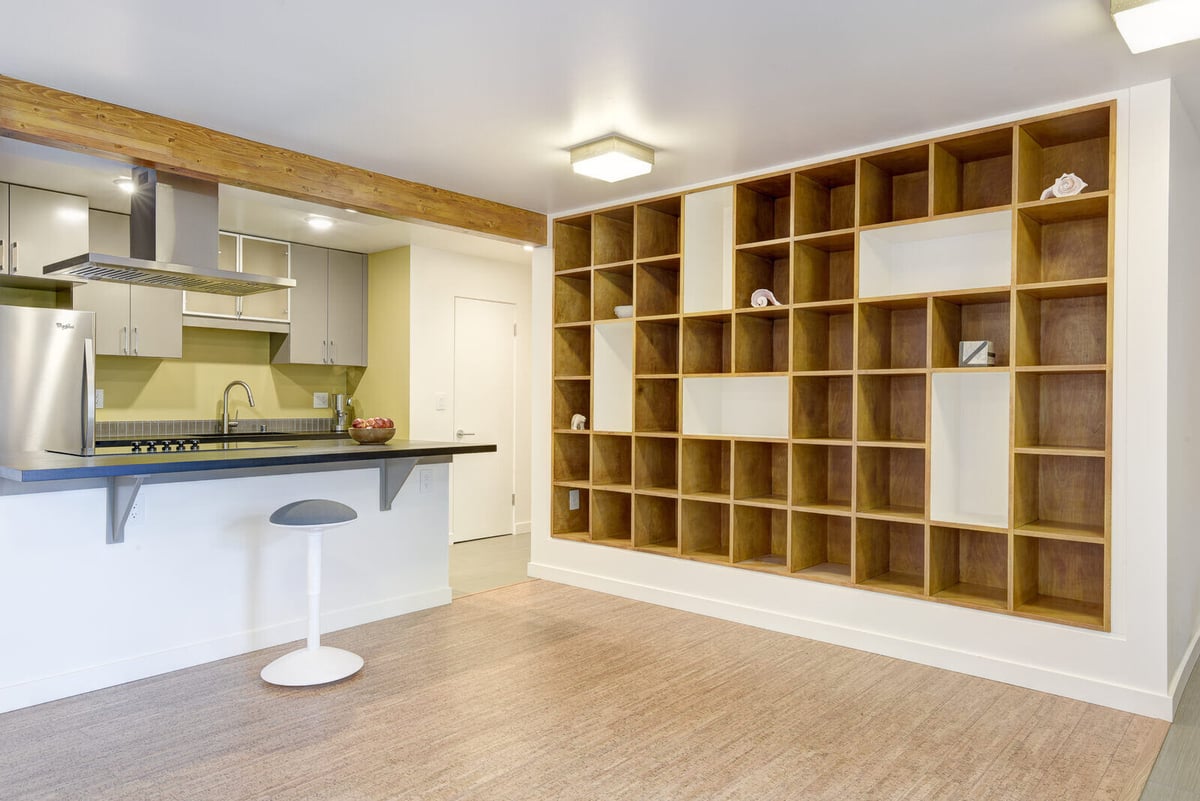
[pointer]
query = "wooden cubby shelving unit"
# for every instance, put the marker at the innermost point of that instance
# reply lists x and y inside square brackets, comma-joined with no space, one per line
[889,468]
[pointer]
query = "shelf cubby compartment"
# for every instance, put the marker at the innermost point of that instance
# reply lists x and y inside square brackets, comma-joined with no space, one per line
[891,408]
[658,227]
[891,335]
[823,269]
[704,530]
[654,524]
[1063,241]
[824,198]
[612,461]
[656,347]
[573,298]
[573,351]
[1062,325]
[571,397]
[822,477]
[612,517]
[1061,410]
[823,339]
[612,236]
[968,566]
[1076,143]
[760,537]
[891,481]
[973,172]
[706,467]
[760,472]
[821,407]
[570,457]
[612,384]
[762,267]
[656,405]
[655,463]
[611,287]
[573,243]
[1059,496]
[761,341]
[762,210]
[969,447]
[1059,581]
[656,288]
[970,317]
[569,513]
[746,406]
[890,555]
[821,546]
[708,344]
[894,186]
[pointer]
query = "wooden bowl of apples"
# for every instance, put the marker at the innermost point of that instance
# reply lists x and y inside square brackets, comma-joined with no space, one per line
[372,430]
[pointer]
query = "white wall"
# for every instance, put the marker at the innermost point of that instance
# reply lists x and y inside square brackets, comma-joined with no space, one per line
[1183,397]
[436,278]
[1124,668]
[203,576]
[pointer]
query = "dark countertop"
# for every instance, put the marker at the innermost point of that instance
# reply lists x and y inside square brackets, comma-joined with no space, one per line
[35,466]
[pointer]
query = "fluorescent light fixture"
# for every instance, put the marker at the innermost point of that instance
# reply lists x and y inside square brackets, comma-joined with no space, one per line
[1150,24]
[613,158]
[318,223]
[124,184]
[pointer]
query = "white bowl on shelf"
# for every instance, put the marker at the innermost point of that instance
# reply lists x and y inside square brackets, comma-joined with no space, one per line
[623,311]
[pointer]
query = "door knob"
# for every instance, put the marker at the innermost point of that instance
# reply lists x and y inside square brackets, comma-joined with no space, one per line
[460,433]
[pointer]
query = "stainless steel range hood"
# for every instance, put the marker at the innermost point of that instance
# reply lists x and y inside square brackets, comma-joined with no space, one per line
[173,240]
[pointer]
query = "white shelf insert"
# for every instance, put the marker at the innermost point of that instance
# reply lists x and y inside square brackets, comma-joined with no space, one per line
[746,406]
[968,472]
[708,250]
[612,380]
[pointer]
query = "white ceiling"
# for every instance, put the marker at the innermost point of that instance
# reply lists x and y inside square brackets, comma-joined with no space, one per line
[485,97]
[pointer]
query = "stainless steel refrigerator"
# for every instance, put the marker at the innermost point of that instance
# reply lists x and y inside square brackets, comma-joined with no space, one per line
[47,380]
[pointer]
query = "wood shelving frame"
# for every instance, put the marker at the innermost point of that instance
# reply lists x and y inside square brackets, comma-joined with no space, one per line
[844,498]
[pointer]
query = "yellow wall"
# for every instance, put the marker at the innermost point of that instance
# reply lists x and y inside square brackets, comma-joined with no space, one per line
[191,387]
[383,388]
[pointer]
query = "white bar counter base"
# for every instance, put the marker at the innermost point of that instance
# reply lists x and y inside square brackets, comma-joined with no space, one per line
[202,575]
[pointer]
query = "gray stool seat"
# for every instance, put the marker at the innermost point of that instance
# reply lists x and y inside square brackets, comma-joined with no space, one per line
[315,663]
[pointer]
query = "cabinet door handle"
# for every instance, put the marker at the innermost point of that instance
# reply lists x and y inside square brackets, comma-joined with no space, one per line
[135,340]
[332,352]
[3,257]
[14,257]
[324,351]
[460,433]
[125,340]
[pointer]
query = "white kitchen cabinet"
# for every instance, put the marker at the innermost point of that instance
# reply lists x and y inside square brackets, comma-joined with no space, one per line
[40,227]
[130,320]
[328,313]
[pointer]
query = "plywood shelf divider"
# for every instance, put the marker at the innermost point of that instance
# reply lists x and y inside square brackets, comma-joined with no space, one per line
[656,347]
[656,404]
[821,407]
[1059,493]
[824,198]
[1059,580]
[821,274]
[892,336]
[973,171]
[1073,143]
[707,465]
[891,408]
[655,463]
[704,530]
[763,210]
[968,566]
[970,318]
[890,555]
[573,243]
[760,471]
[656,288]
[570,397]
[761,341]
[891,481]
[611,287]
[612,236]
[823,338]
[762,268]
[822,477]
[573,298]
[821,547]
[1061,410]
[655,526]
[708,344]
[760,537]
[657,231]
[612,460]
[566,521]
[894,185]
[1060,329]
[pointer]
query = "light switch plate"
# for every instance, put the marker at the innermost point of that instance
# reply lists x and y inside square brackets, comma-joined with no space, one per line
[99,399]
[572,500]
[320,400]
[440,402]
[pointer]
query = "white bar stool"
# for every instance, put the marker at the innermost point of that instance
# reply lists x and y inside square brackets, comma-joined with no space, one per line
[315,663]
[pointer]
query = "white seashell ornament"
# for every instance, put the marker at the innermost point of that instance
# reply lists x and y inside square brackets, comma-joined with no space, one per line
[762,297]
[1068,184]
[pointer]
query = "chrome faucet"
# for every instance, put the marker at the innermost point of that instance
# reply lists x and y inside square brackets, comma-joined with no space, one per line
[226,423]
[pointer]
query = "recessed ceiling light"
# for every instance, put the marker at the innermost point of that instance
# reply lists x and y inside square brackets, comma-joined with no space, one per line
[613,158]
[318,223]
[125,184]
[1151,24]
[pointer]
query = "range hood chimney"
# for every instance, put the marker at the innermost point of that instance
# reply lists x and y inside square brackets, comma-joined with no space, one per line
[173,240]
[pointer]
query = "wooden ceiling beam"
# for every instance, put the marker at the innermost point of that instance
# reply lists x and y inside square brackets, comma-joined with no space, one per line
[60,119]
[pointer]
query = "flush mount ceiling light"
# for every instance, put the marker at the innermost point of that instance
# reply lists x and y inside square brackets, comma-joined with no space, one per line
[318,223]
[124,184]
[1150,24]
[613,158]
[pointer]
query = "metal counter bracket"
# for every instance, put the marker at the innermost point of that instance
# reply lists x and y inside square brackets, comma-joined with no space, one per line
[392,475]
[122,492]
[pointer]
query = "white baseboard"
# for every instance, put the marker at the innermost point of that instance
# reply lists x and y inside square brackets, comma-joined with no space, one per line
[143,666]
[522,527]
[1081,688]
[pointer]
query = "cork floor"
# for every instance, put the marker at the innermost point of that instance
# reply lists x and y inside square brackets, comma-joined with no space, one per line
[541,691]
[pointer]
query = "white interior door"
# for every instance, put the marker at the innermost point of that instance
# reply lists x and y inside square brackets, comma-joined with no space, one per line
[483,483]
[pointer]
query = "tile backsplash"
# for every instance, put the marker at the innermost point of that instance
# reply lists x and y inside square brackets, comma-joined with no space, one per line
[117,429]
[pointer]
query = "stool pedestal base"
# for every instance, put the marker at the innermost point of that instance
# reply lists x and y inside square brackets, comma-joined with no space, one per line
[309,666]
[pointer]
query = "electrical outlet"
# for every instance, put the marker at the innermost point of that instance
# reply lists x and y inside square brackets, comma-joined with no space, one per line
[99,399]
[320,400]
[572,500]
[137,512]
[425,480]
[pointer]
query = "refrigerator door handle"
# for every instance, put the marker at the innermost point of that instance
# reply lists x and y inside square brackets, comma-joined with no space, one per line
[88,407]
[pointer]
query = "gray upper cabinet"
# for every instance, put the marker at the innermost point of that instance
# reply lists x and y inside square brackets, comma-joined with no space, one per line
[247,254]
[328,309]
[130,320]
[43,227]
